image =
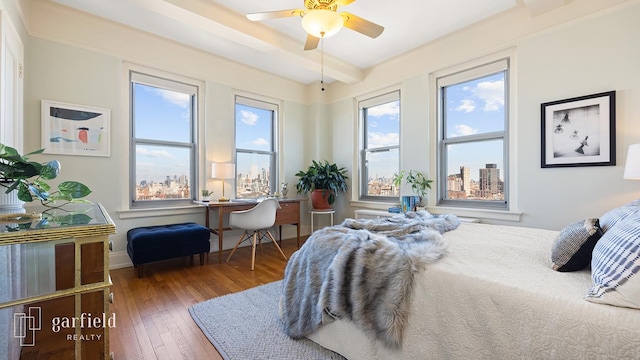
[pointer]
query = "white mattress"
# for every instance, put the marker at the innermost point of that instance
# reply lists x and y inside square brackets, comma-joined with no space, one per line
[495,296]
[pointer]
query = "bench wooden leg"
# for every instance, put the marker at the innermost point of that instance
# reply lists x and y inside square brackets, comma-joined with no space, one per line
[202,258]
[140,271]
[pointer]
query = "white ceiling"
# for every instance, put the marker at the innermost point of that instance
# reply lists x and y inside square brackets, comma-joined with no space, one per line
[276,46]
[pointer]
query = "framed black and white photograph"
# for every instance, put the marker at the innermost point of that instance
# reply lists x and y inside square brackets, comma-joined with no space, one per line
[579,131]
[75,129]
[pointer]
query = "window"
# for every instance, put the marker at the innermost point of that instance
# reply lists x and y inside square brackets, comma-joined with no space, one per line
[473,145]
[255,147]
[163,148]
[380,150]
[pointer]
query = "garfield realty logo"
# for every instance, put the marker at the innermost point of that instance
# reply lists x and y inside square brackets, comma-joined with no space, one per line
[84,321]
[25,323]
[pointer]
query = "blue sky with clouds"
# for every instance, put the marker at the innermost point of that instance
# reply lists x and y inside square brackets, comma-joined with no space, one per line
[475,107]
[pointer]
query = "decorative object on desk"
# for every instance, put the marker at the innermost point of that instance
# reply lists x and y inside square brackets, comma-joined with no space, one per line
[27,179]
[223,171]
[75,129]
[632,166]
[206,195]
[324,181]
[284,190]
[579,131]
[417,180]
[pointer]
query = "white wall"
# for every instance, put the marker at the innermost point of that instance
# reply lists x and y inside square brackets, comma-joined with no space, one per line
[598,52]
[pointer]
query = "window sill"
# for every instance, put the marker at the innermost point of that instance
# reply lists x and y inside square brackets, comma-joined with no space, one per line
[373,205]
[164,211]
[481,214]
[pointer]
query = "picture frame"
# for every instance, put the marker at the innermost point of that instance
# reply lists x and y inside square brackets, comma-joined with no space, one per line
[72,129]
[579,131]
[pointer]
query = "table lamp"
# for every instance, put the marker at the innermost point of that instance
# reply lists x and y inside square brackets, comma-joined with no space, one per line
[632,167]
[223,171]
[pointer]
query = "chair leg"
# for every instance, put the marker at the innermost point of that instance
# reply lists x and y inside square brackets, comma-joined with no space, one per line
[253,250]
[237,244]
[276,244]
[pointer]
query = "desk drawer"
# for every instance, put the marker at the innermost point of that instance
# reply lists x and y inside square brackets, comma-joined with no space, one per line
[289,213]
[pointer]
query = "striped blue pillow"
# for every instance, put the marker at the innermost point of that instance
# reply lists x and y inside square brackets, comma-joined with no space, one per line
[615,265]
[613,216]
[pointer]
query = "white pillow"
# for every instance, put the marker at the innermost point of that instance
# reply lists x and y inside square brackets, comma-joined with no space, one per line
[615,265]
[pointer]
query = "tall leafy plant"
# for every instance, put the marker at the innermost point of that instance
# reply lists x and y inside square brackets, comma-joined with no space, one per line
[323,176]
[418,182]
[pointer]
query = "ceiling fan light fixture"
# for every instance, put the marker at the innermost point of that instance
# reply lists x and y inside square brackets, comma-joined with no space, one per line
[322,23]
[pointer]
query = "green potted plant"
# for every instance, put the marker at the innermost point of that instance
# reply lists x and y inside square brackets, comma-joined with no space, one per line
[206,195]
[28,178]
[417,180]
[324,181]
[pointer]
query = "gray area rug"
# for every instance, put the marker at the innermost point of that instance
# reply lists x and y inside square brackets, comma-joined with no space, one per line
[246,325]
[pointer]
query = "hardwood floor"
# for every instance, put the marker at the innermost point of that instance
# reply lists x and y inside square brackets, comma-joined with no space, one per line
[153,321]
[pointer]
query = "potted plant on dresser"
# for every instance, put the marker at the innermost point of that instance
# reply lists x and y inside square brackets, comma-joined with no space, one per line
[324,181]
[26,180]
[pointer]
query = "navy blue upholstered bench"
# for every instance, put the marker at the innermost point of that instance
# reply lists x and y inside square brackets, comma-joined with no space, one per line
[162,242]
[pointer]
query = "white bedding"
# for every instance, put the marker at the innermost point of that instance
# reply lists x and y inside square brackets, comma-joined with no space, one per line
[495,296]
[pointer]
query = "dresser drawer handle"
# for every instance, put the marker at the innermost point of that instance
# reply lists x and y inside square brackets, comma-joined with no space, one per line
[110,245]
[111,298]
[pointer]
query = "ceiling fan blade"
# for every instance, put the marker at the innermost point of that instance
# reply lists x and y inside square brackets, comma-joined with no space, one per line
[361,25]
[344,2]
[274,14]
[311,43]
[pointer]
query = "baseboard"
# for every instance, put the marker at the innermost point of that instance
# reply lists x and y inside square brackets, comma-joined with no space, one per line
[119,259]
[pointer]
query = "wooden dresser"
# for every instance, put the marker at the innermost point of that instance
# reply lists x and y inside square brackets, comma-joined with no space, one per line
[57,291]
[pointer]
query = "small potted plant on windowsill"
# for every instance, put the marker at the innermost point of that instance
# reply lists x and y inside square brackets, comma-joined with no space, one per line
[417,180]
[28,179]
[324,181]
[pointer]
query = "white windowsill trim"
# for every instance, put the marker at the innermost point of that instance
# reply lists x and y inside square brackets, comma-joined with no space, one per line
[477,213]
[165,211]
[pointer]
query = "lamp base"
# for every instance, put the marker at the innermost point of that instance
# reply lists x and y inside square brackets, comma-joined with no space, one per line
[223,199]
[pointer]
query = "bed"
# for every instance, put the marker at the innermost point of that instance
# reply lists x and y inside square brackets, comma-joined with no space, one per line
[494,295]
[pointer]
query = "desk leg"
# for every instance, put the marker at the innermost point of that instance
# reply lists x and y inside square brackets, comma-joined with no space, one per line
[220,231]
[298,236]
[280,234]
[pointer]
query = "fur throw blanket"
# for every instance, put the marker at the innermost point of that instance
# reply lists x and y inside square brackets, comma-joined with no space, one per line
[361,270]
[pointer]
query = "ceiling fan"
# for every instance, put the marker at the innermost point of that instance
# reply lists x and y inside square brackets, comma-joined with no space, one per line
[320,19]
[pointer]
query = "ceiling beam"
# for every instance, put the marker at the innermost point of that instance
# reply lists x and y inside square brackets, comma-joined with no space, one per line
[537,7]
[211,17]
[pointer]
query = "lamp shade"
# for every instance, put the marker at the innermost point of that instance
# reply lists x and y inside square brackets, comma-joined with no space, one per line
[223,171]
[632,166]
[322,23]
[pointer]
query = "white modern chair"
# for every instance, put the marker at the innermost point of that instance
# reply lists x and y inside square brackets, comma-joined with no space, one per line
[256,223]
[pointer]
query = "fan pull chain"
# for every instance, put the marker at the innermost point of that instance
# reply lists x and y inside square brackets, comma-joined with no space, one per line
[322,61]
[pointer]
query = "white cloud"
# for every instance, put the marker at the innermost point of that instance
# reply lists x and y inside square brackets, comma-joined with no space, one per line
[156,154]
[391,109]
[380,139]
[467,106]
[462,130]
[492,93]
[248,117]
[181,100]
[260,142]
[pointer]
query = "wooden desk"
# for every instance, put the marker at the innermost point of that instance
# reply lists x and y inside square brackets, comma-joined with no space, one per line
[288,214]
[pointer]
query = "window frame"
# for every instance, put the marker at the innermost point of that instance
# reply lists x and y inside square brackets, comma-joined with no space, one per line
[363,104]
[264,104]
[460,75]
[162,80]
